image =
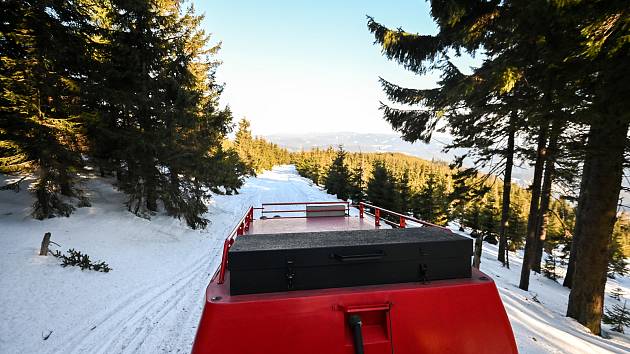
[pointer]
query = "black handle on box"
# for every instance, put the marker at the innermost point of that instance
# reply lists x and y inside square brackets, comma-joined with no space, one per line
[359,257]
[355,324]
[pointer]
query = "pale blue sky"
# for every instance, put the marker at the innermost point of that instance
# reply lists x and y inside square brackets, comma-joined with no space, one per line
[309,66]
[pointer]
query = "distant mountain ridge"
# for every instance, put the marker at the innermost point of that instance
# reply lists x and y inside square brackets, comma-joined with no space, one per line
[365,142]
[382,142]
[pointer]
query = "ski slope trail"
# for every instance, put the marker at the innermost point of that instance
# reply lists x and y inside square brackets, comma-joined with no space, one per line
[163,317]
[152,300]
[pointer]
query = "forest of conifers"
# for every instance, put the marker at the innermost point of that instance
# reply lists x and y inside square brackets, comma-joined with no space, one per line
[127,90]
[125,87]
[551,87]
[432,191]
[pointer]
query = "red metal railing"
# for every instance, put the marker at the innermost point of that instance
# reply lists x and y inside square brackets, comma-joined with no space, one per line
[402,219]
[343,206]
[242,227]
[244,224]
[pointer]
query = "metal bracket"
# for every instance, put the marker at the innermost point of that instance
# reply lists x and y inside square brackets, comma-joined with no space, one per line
[290,275]
[422,272]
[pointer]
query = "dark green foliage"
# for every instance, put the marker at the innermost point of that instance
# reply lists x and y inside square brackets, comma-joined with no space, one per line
[311,168]
[159,126]
[357,184]
[338,177]
[473,218]
[618,317]
[403,186]
[490,218]
[431,202]
[467,189]
[550,266]
[257,153]
[40,112]
[77,259]
[381,188]
[437,192]
[560,64]
[48,203]
[617,264]
[128,86]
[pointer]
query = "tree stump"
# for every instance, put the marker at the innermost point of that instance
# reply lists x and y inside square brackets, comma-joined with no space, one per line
[43,251]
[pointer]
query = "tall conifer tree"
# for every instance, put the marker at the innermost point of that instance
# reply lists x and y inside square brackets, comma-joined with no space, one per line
[337,180]
[565,55]
[158,111]
[42,47]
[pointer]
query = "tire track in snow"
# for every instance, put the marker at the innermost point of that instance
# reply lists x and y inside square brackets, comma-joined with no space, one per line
[142,307]
[131,320]
[163,317]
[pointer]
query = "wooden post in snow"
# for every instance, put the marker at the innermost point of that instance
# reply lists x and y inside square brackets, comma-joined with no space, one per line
[477,251]
[43,251]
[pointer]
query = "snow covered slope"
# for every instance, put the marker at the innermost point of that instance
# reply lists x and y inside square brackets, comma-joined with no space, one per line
[152,300]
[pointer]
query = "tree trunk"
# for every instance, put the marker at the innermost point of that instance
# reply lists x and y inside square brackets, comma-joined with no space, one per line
[543,216]
[568,279]
[150,181]
[151,196]
[598,208]
[65,183]
[530,240]
[478,249]
[507,188]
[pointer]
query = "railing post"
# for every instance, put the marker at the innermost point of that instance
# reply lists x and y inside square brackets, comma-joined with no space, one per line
[402,222]
[377,217]
[226,246]
[249,218]
[239,231]
[360,210]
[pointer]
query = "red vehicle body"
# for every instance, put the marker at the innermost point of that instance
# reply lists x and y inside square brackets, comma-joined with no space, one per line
[447,316]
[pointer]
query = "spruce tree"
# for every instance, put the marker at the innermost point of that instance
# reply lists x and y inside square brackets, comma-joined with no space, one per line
[337,180]
[381,187]
[618,317]
[517,226]
[617,264]
[42,48]
[244,145]
[549,268]
[357,184]
[490,218]
[404,190]
[430,203]
[157,103]
[567,57]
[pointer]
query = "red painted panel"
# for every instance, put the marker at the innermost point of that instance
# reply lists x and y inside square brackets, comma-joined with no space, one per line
[453,316]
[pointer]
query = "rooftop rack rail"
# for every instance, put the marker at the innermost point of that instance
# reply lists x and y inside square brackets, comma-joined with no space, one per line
[242,227]
[245,222]
[402,223]
[264,209]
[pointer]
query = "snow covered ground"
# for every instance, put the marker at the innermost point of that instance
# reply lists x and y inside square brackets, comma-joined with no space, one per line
[152,300]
